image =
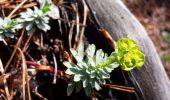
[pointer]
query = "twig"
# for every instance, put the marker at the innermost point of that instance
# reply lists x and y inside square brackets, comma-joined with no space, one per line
[5,82]
[38,94]
[86,10]
[108,37]
[24,75]
[25,46]
[70,35]
[1,66]
[120,88]
[27,41]
[55,69]
[24,6]
[77,24]
[21,4]
[13,53]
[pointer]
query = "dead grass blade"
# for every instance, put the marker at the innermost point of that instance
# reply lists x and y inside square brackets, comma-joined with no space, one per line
[20,5]
[86,10]
[13,53]
[24,76]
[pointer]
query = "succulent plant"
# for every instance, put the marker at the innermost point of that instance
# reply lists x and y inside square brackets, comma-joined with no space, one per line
[91,69]
[129,54]
[7,28]
[32,19]
[45,5]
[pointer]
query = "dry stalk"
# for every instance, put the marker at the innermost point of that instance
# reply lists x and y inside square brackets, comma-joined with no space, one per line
[25,47]
[24,75]
[75,7]
[108,37]
[86,10]
[27,41]
[5,82]
[120,88]
[20,5]
[38,94]
[23,6]
[13,53]
[70,35]
[55,69]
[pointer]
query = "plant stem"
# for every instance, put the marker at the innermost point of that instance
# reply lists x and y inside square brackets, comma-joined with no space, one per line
[108,61]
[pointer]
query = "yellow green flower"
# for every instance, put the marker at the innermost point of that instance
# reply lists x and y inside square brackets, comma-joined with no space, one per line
[128,54]
[132,59]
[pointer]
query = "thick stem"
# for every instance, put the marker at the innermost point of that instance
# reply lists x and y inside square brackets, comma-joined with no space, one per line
[108,61]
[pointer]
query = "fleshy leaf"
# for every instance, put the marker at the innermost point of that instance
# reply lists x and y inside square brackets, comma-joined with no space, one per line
[78,86]
[70,88]
[91,50]
[99,56]
[88,90]
[97,86]
[76,56]
[81,49]
[77,77]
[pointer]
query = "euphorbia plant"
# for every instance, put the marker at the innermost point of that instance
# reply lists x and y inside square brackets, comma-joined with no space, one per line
[93,67]
[7,27]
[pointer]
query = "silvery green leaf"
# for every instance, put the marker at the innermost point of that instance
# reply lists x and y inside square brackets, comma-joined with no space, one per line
[93,74]
[85,83]
[114,65]
[108,69]
[46,19]
[103,74]
[41,26]
[105,56]
[97,86]
[91,50]
[99,56]
[81,49]
[36,9]
[75,55]
[88,90]
[30,11]
[47,27]
[29,19]
[90,61]
[1,37]
[73,70]
[68,64]
[101,81]
[19,26]
[78,86]
[70,88]
[69,72]
[1,21]
[77,77]
[76,70]
[23,15]
[88,71]
[39,13]
[82,65]
[29,26]
[30,31]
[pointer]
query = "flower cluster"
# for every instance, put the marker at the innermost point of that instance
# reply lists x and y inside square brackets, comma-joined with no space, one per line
[129,54]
